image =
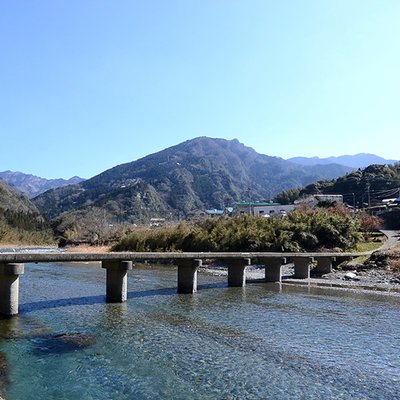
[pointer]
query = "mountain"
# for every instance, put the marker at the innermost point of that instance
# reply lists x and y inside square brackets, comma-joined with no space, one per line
[197,174]
[33,185]
[13,200]
[20,220]
[361,160]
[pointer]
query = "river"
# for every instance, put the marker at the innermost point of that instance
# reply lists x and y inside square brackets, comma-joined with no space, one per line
[266,341]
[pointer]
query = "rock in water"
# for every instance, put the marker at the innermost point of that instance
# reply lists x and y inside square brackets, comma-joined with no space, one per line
[63,343]
[4,375]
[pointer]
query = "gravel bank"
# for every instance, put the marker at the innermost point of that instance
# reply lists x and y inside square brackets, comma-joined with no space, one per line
[377,279]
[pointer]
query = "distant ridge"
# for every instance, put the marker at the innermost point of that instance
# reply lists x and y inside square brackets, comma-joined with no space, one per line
[33,185]
[361,160]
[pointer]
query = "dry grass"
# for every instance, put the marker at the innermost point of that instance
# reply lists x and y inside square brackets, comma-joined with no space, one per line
[18,245]
[87,249]
[394,260]
[394,264]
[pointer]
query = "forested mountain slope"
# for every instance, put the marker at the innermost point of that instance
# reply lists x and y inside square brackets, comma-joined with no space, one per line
[197,174]
[362,186]
[20,220]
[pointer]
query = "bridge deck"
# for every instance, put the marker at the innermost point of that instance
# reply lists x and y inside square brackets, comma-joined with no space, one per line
[26,257]
[118,264]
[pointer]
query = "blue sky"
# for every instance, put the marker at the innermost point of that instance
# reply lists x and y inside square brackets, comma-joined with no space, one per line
[87,85]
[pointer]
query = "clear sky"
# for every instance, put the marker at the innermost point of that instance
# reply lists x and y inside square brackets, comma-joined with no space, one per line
[89,84]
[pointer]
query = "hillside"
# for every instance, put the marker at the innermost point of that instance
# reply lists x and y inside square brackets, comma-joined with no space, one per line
[20,220]
[359,187]
[13,200]
[33,185]
[197,174]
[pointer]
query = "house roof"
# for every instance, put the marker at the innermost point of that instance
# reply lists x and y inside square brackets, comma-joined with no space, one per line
[214,212]
[257,203]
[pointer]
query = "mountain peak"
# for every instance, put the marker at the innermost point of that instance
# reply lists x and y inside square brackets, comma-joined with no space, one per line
[201,173]
[33,185]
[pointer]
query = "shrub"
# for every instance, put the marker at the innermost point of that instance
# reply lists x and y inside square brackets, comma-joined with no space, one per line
[301,230]
[369,223]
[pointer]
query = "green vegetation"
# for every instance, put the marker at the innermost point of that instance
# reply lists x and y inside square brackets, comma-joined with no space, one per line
[20,220]
[372,241]
[19,227]
[302,230]
[357,187]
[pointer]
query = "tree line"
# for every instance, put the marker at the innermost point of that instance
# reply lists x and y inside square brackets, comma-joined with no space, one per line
[22,227]
[359,188]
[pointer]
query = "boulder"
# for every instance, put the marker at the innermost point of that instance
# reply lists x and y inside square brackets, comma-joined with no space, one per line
[351,276]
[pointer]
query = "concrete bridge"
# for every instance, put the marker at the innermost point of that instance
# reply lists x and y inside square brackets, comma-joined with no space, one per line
[117,266]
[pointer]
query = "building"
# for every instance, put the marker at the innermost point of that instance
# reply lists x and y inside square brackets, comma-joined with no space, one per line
[214,213]
[314,199]
[262,209]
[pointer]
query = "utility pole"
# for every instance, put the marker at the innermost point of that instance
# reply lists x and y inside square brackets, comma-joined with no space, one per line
[249,197]
[368,193]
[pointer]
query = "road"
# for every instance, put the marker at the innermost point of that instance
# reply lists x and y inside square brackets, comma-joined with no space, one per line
[393,239]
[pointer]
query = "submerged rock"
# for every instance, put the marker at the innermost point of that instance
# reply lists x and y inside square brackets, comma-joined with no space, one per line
[63,343]
[4,375]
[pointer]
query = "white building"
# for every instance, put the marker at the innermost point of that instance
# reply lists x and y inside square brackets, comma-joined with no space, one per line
[262,209]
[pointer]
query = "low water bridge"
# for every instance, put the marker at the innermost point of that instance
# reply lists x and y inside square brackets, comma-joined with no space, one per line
[117,266]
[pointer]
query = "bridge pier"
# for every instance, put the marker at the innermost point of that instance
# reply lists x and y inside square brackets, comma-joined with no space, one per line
[117,280]
[324,264]
[9,287]
[187,275]
[273,268]
[237,271]
[302,267]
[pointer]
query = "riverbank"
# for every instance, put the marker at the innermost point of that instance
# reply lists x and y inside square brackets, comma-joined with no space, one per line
[379,272]
[86,249]
[373,279]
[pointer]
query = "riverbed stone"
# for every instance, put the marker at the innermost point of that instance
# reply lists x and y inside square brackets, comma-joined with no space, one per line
[351,276]
[4,374]
[63,343]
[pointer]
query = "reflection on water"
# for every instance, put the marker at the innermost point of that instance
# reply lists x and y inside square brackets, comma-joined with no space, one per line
[266,341]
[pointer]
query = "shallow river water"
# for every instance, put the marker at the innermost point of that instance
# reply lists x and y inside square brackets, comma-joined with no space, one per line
[266,341]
